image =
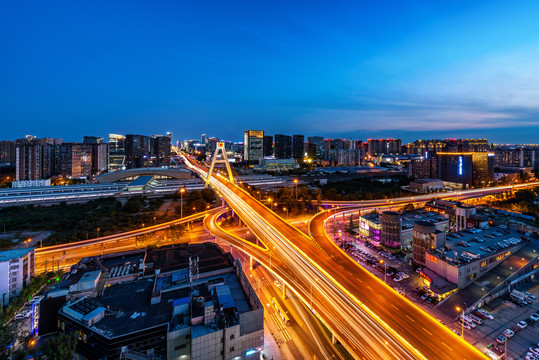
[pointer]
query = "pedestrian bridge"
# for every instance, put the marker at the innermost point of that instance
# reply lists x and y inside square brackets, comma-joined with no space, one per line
[115,176]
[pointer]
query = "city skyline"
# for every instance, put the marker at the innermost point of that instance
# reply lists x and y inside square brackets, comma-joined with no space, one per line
[349,70]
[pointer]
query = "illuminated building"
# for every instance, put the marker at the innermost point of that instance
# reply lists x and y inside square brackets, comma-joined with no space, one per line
[116,152]
[253,145]
[376,147]
[16,269]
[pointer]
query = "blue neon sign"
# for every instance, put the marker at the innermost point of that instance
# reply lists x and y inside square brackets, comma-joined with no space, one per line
[460,165]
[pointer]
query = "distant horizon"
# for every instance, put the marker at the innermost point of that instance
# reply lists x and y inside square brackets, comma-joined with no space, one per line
[364,140]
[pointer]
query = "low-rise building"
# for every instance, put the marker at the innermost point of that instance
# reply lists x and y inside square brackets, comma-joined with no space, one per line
[179,302]
[469,254]
[426,185]
[394,230]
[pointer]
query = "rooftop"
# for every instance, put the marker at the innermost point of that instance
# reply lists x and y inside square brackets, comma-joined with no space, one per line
[473,244]
[490,280]
[14,254]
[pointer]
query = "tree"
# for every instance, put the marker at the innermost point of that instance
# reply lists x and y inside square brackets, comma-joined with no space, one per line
[525,195]
[132,205]
[408,207]
[208,195]
[59,347]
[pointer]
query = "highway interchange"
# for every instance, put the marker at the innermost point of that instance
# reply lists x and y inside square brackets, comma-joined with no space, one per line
[369,318]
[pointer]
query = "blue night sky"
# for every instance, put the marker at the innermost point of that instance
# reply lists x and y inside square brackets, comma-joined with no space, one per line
[408,69]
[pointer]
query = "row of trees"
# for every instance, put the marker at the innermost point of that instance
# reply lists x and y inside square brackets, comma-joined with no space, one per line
[364,189]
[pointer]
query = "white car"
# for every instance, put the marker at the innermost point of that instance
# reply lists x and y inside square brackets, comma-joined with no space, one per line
[500,339]
[534,317]
[522,324]
[485,314]
[509,333]
[535,351]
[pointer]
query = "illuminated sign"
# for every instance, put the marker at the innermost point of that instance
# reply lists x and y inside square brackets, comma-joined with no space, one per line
[426,154]
[364,226]
[250,352]
[460,165]
[432,258]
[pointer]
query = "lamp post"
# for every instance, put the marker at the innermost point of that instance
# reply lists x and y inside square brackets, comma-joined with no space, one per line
[461,320]
[286,209]
[98,232]
[385,269]
[182,190]
[296,182]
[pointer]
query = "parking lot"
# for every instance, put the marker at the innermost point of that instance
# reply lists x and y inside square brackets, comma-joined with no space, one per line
[506,317]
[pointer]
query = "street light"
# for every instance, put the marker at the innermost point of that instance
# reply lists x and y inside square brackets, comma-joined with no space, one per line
[385,270]
[98,232]
[461,320]
[286,209]
[182,190]
[296,182]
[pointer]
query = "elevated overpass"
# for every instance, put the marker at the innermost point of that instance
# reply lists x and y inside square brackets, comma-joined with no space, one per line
[371,322]
[174,173]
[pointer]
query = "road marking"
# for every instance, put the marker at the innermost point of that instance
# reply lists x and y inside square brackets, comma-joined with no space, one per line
[396,308]
[409,318]
[447,346]
[428,332]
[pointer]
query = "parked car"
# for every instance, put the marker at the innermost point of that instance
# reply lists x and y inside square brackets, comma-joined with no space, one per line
[534,316]
[522,324]
[509,333]
[500,339]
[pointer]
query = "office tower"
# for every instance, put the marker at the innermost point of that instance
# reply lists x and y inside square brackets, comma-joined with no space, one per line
[253,145]
[377,147]
[75,160]
[318,142]
[137,151]
[203,139]
[211,144]
[160,150]
[297,146]
[283,146]
[116,152]
[268,145]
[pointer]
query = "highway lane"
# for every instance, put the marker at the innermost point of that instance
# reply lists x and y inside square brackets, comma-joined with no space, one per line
[346,296]
[63,256]
[479,192]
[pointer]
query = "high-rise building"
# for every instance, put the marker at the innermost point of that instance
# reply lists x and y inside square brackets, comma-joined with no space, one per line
[297,146]
[16,270]
[268,145]
[116,152]
[469,168]
[160,150]
[137,151]
[419,147]
[7,152]
[92,140]
[514,157]
[75,160]
[253,145]
[318,142]
[377,147]
[203,139]
[283,146]
[35,159]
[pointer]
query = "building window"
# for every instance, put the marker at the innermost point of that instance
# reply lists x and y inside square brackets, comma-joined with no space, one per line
[483,263]
[231,336]
[232,349]
[179,347]
[188,336]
